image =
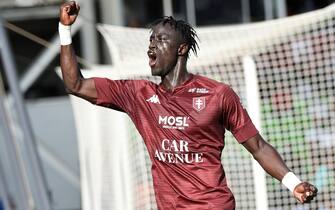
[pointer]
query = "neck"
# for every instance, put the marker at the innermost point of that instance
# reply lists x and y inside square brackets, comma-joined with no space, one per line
[176,76]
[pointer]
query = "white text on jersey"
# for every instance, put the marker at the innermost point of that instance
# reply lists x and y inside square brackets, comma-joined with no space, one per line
[177,152]
[172,122]
[198,90]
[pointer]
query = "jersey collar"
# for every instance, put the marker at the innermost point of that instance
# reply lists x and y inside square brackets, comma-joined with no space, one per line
[179,87]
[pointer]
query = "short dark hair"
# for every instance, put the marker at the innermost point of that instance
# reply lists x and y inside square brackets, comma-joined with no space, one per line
[185,29]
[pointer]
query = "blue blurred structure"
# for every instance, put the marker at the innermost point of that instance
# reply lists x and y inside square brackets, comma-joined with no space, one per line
[1,205]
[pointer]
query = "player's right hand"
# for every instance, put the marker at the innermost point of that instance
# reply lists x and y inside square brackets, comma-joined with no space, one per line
[68,12]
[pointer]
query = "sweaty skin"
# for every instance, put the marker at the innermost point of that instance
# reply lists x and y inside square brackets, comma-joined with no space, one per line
[168,58]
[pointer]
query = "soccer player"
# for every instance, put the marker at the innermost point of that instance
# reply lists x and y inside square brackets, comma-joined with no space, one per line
[182,120]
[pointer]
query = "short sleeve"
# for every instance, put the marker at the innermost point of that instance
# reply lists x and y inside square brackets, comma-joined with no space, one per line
[236,118]
[115,94]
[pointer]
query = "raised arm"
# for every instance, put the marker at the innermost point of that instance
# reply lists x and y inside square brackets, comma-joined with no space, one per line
[274,165]
[74,82]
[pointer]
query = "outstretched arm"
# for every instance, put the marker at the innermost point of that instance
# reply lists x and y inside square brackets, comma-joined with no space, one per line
[274,165]
[74,82]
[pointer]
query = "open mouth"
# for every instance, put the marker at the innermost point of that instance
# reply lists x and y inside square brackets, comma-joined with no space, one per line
[152,58]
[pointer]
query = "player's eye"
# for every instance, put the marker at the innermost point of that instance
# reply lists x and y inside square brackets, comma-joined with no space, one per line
[158,38]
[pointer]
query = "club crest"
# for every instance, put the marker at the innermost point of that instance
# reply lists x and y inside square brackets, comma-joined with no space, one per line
[199,103]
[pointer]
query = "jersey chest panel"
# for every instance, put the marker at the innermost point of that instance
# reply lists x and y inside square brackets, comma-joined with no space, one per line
[183,117]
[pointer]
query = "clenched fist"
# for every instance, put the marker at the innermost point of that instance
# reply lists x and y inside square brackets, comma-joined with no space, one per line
[305,192]
[68,12]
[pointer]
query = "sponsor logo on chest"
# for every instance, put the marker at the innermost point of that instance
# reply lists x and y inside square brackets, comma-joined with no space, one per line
[177,152]
[173,122]
[198,90]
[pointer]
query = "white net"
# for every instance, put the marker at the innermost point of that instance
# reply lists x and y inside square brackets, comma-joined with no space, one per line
[295,60]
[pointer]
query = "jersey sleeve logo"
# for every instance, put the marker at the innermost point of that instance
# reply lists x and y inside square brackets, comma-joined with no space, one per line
[199,103]
[154,99]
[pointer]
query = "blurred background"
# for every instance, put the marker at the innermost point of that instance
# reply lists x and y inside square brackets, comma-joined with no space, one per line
[30,28]
[40,17]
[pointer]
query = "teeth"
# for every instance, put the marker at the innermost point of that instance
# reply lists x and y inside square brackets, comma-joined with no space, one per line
[151,54]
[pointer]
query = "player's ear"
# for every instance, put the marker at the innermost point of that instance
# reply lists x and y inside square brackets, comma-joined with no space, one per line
[183,49]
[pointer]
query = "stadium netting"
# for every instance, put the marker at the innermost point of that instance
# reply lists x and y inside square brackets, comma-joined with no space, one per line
[295,65]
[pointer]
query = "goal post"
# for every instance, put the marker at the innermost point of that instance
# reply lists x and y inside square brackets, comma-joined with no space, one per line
[253,106]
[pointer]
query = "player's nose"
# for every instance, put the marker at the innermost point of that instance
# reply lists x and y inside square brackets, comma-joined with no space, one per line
[152,44]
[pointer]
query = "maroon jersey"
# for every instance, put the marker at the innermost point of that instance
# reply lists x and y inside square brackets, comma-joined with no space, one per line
[184,133]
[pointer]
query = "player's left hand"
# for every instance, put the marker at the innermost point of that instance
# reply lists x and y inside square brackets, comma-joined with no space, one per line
[305,192]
